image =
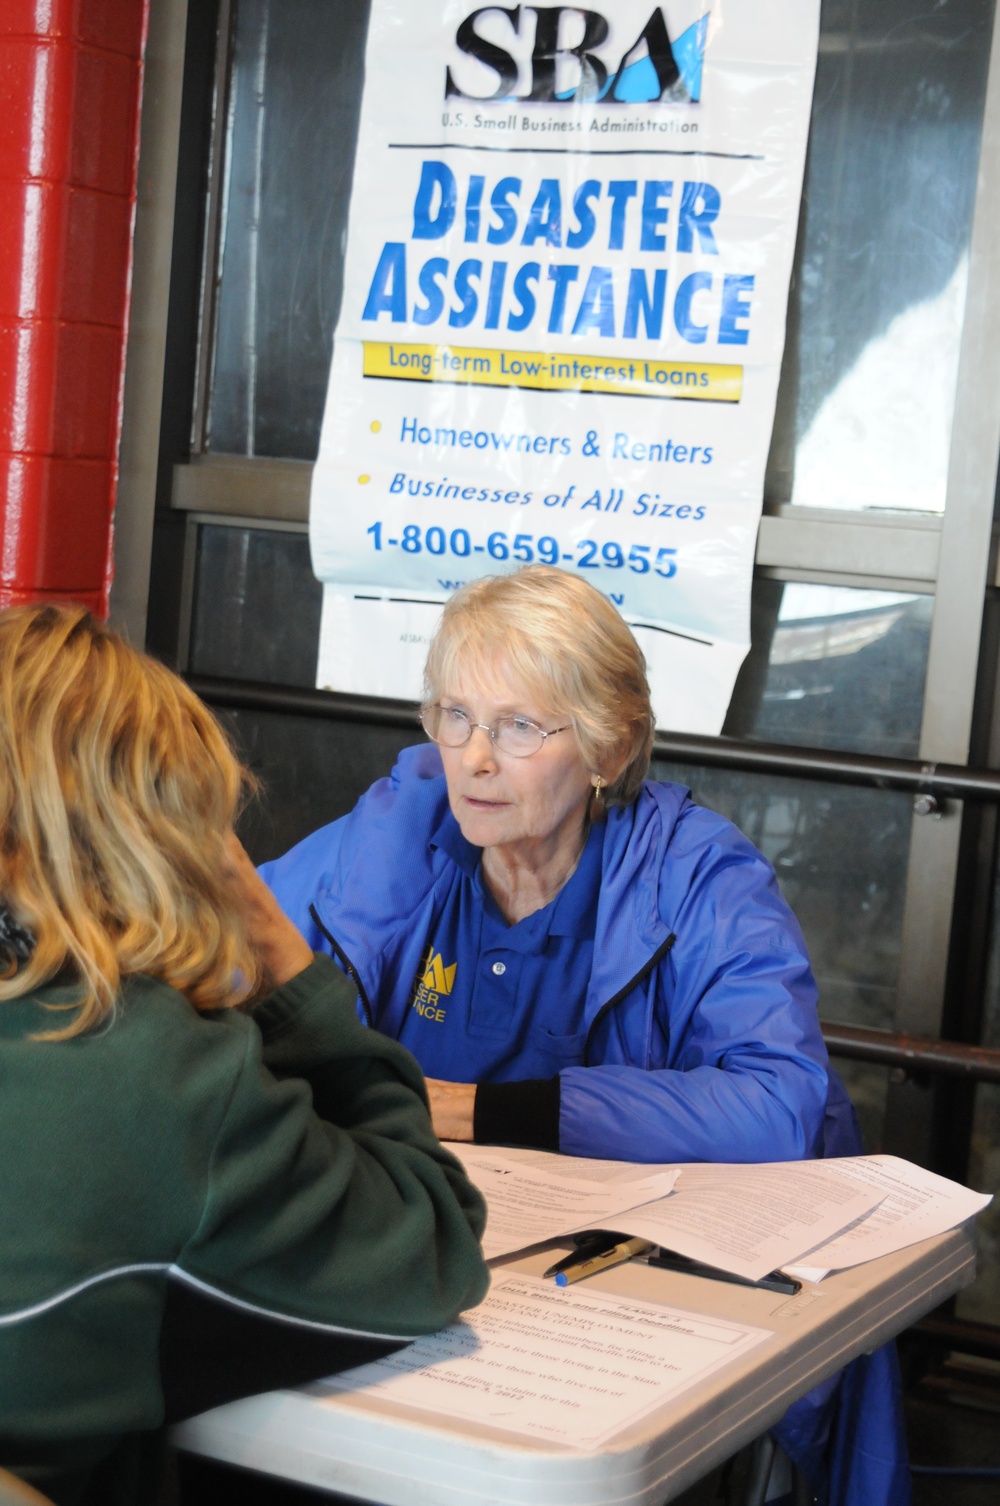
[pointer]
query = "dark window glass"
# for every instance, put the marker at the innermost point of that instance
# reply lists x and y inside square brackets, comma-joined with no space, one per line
[295,94]
[311,772]
[878,295]
[834,667]
[981,1301]
[256,606]
[840,855]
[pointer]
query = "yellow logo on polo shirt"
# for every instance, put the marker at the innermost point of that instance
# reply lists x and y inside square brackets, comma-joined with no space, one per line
[436,976]
[433,981]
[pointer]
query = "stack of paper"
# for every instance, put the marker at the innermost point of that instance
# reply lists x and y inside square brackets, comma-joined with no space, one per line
[746,1219]
[567,1366]
[529,1203]
[915,1204]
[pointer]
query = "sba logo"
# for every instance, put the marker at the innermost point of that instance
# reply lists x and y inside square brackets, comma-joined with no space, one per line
[651,67]
[433,981]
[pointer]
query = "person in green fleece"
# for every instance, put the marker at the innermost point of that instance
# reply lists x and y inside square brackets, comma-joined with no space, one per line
[214,1179]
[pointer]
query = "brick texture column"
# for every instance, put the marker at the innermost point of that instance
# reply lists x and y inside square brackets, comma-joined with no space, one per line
[70,80]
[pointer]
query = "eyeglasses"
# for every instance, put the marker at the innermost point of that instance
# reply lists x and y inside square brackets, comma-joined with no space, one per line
[517,735]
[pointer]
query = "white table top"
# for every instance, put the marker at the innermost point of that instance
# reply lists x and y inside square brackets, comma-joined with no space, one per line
[380,1451]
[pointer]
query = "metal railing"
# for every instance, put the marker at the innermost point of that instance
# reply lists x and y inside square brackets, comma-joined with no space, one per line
[913,1054]
[941,781]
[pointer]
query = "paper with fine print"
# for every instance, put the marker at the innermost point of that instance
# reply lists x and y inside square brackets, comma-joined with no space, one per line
[916,1204]
[753,1219]
[558,1364]
[529,1203]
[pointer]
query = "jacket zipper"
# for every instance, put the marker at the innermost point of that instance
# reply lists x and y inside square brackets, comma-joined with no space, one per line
[346,964]
[647,967]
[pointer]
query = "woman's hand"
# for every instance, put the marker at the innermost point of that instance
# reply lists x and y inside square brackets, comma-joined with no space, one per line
[451,1104]
[280,946]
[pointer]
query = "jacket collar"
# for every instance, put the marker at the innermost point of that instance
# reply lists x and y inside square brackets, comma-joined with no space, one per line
[405,836]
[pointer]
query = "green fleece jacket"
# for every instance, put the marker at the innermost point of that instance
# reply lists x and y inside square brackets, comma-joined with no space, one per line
[195,1207]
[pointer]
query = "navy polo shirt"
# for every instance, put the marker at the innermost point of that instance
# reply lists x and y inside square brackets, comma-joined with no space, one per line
[499,1003]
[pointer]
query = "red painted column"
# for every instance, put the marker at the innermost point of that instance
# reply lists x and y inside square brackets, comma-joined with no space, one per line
[70,79]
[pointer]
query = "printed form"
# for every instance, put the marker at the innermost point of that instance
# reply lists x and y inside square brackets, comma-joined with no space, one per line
[529,1202]
[916,1204]
[744,1219]
[753,1219]
[560,1364]
[747,1219]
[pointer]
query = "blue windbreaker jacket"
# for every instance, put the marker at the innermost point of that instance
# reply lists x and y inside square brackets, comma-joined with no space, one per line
[698,1040]
[699,966]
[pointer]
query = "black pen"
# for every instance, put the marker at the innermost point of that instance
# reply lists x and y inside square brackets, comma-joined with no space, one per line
[774,1281]
[584,1251]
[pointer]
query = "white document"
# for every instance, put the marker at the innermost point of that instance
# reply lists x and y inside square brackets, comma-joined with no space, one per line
[555,1363]
[527,1203]
[915,1205]
[752,1219]
[563,316]
[587,1169]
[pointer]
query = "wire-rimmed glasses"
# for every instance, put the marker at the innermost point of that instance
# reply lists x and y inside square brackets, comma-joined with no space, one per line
[452,727]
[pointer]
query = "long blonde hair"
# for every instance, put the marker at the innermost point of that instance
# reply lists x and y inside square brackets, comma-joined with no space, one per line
[117,790]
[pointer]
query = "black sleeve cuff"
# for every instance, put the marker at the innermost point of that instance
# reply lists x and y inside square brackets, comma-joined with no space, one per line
[517,1113]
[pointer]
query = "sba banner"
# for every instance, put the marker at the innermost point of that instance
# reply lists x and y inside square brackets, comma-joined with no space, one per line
[571,233]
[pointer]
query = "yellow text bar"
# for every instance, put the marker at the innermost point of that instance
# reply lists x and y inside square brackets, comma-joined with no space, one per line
[543,372]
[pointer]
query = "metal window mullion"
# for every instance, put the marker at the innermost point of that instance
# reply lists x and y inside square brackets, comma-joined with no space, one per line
[215,190]
[189,571]
[142,393]
[956,630]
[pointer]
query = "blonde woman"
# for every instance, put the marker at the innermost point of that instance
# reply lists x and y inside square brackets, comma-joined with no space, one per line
[581,959]
[199,1199]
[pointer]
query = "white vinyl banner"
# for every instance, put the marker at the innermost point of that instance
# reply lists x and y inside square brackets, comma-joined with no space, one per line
[571,233]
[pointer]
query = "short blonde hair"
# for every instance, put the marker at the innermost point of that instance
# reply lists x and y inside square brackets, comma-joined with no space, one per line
[117,790]
[555,635]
